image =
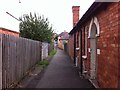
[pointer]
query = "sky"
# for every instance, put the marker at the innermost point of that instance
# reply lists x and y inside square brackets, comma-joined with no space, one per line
[58,12]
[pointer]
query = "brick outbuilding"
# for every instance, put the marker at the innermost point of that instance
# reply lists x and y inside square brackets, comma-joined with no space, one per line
[94,44]
[10,32]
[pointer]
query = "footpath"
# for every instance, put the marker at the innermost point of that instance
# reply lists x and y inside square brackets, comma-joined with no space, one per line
[60,73]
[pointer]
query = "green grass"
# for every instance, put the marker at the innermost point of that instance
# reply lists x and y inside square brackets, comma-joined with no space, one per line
[43,63]
[53,52]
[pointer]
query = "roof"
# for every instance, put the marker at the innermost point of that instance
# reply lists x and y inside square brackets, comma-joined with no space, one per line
[64,35]
[1,28]
[90,12]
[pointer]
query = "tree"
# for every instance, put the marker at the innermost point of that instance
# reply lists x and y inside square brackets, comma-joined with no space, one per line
[36,28]
[56,38]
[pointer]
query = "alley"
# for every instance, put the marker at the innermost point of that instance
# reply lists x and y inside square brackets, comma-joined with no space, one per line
[61,74]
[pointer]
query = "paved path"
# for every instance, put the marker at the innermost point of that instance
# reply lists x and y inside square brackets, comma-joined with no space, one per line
[62,74]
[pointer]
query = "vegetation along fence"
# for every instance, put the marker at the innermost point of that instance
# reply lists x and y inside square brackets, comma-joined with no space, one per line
[17,56]
[50,48]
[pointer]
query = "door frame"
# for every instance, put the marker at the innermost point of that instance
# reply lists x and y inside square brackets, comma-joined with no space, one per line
[94,24]
[93,53]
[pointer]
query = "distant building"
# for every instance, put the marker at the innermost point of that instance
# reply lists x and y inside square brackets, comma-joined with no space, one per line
[63,39]
[9,32]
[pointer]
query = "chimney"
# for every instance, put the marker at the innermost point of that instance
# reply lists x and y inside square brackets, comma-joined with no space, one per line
[75,10]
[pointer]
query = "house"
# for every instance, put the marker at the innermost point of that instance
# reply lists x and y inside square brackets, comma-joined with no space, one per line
[63,40]
[71,43]
[94,44]
[7,31]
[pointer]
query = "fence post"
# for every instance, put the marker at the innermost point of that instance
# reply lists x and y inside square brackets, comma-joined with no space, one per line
[40,44]
[0,61]
[42,51]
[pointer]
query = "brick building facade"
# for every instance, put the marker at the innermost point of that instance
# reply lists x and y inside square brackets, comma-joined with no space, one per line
[71,43]
[7,31]
[95,44]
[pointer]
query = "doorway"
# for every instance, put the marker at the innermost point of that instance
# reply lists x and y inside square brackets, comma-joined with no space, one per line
[93,52]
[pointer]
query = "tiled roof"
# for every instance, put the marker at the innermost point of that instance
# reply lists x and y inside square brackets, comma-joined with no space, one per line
[64,35]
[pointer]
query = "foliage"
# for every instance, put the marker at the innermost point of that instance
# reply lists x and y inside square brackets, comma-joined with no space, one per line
[36,28]
[56,38]
[53,52]
[43,63]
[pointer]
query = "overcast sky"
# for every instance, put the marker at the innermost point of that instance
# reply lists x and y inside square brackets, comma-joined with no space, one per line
[58,12]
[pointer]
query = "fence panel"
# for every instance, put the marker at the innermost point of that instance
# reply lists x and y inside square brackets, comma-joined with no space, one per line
[17,56]
[44,50]
[0,61]
[50,47]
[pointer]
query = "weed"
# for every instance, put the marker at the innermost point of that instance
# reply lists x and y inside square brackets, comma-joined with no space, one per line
[53,52]
[43,63]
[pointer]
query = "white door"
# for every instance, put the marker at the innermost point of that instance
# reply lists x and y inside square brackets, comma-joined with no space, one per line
[93,52]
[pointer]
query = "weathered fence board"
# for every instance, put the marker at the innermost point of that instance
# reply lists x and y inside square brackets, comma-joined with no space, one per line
[50,48]
[0,61]
[44,50]
[17,56]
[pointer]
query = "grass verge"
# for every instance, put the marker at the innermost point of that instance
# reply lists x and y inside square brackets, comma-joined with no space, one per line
[53,52]
[44,63]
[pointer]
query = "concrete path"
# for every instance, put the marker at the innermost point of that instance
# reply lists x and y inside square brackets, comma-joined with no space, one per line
[60,74]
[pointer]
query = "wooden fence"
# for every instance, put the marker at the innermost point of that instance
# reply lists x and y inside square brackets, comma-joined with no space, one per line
[50,48]
[0,61]
[44,50]
[17,56]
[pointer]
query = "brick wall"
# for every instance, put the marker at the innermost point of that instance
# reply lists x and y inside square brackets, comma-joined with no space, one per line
[60,44]
[119,43]
[107,70]
[71,46]
[75,10]
[77,46]
[9,32]
[108,63]
[108,44]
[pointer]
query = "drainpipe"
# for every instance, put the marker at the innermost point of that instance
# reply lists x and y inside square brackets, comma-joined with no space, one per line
[81,63]
[75,47]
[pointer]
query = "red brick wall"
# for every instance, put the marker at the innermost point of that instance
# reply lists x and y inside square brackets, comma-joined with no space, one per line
[77,46]
[87,62]
[108,44]
[75,10]
[7,31]
[71,46]
[119,44]
[108,69]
